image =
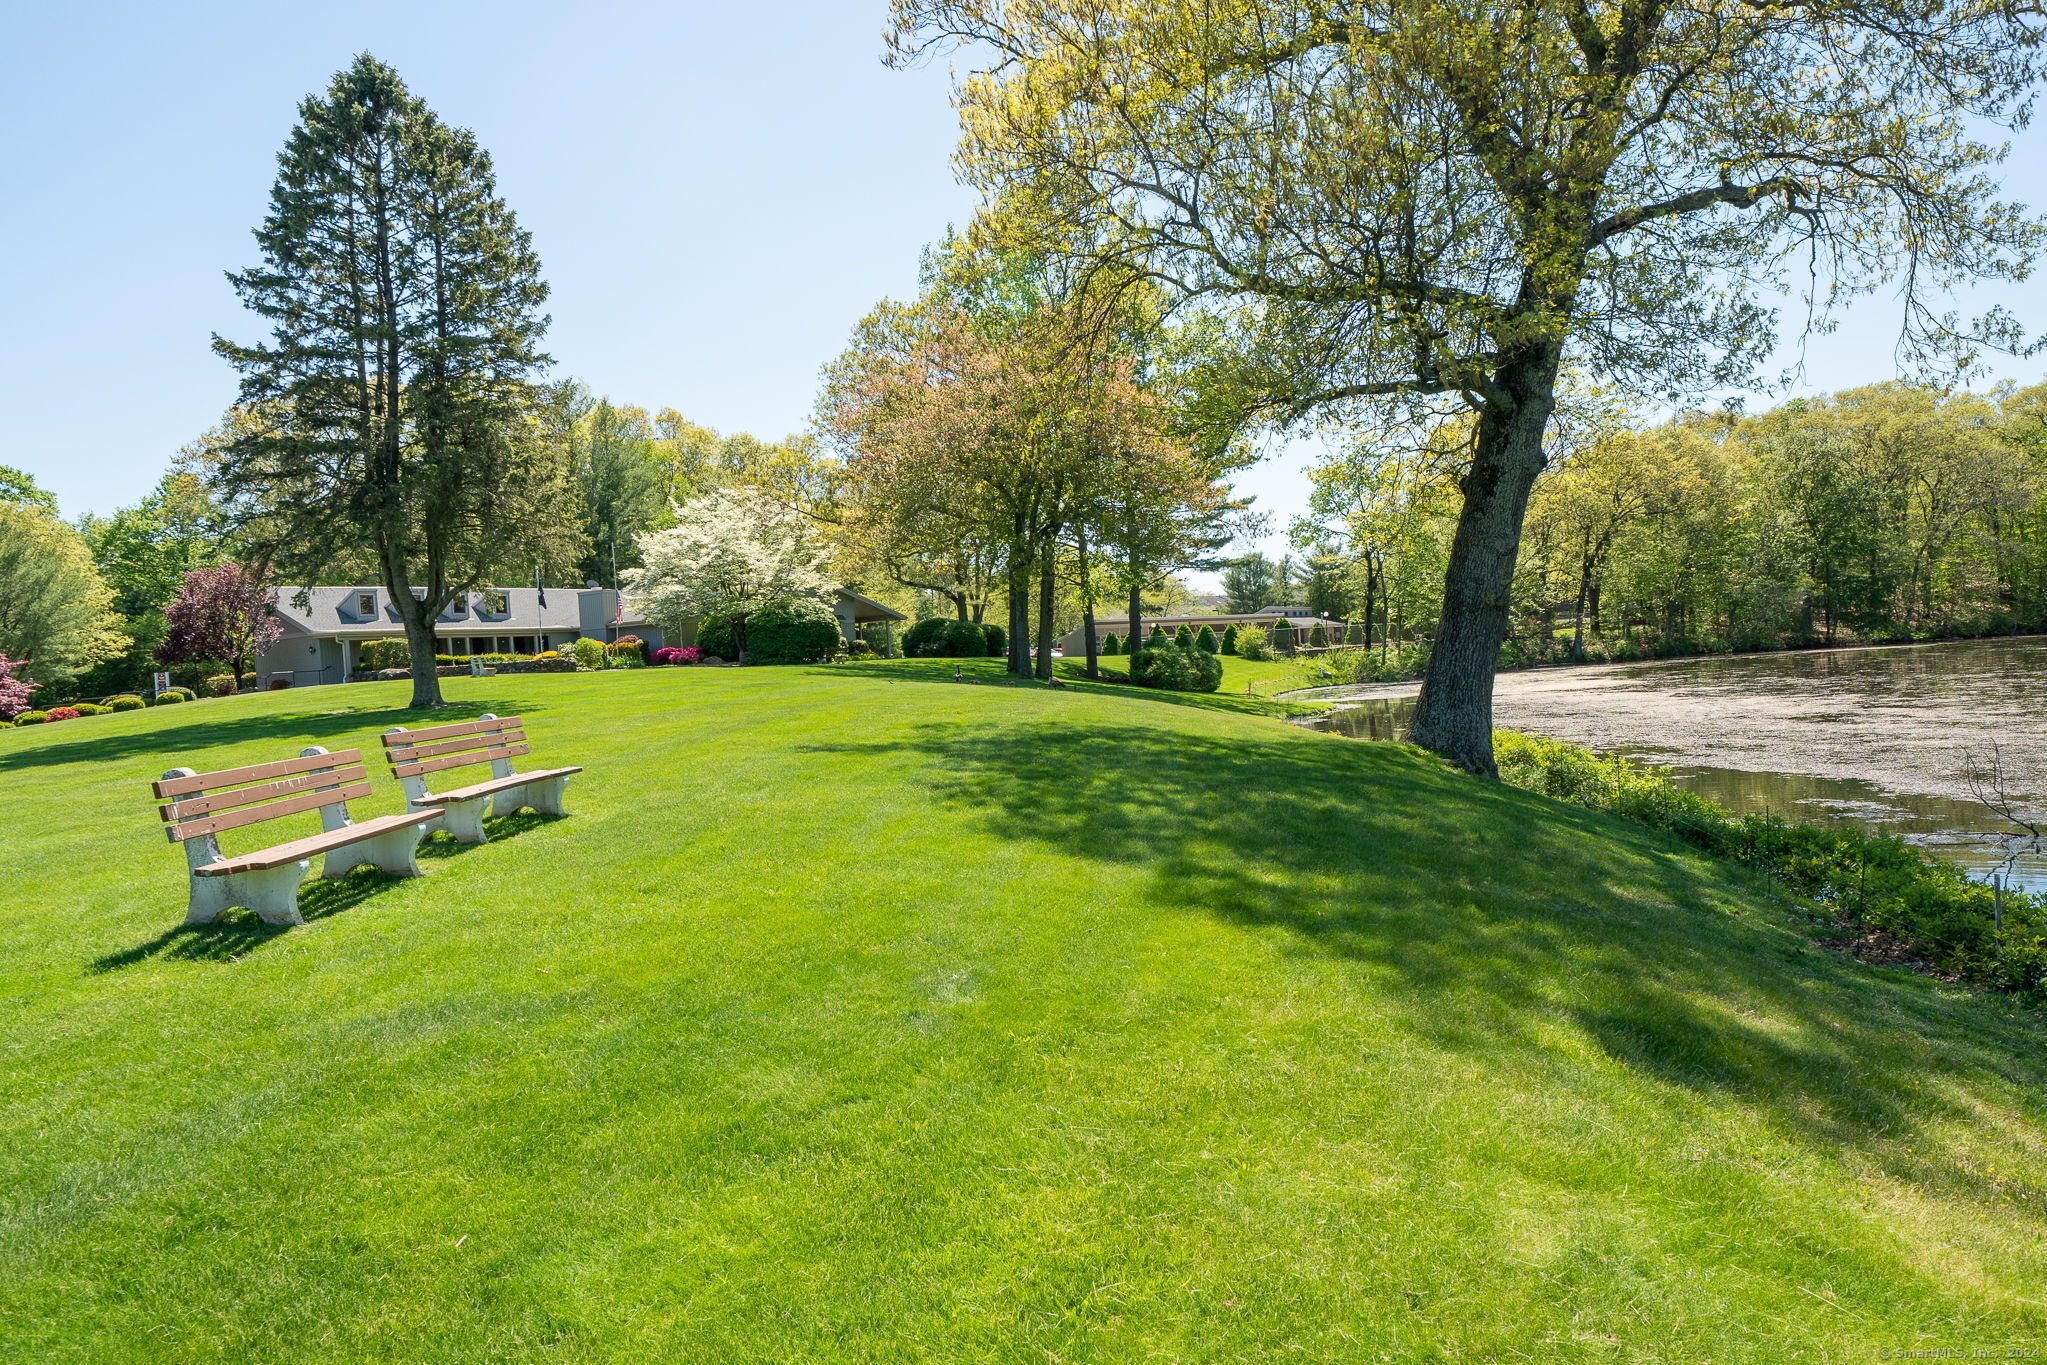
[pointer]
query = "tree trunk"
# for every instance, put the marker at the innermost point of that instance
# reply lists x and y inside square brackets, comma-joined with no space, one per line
[1454,715]
[1087,605]
[1047,596]
[1136,640]
[1020,621]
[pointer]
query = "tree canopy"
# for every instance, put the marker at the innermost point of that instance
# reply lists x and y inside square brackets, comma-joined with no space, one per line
[1409,203]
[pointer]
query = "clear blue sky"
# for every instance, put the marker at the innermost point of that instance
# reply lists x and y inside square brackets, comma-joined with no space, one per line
[717,193]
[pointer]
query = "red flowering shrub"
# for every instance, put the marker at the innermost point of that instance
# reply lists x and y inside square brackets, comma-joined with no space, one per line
[670,655]
[57,713]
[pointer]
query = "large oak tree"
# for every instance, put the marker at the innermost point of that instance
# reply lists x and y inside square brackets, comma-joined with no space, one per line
[1413,204]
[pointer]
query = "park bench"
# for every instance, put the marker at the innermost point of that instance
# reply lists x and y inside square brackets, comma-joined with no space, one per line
[414,754]
[201,806]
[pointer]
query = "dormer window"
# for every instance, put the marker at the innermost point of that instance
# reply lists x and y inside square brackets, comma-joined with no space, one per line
[365,604]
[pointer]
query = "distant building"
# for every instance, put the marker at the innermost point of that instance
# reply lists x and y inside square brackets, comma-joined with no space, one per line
[323,640]
[1075,641]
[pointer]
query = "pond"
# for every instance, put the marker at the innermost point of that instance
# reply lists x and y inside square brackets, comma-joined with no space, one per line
[1880,737]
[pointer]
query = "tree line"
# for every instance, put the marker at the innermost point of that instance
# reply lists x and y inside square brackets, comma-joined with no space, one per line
[1884,513]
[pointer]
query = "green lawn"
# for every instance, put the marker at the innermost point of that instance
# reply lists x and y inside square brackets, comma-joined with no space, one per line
[859,1015]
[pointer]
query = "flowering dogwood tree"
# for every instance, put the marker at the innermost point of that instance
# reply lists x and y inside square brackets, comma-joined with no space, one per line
[731,552]
[14,691]
[222,613]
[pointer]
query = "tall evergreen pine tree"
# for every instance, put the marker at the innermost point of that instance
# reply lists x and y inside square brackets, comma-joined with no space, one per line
[403,299]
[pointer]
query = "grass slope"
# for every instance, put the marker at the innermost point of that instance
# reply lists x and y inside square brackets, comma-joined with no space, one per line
[855,1015]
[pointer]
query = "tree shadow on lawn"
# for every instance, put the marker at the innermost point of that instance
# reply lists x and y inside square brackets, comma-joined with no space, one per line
[990,673]
[186,744]
[238,933]
[1485,935]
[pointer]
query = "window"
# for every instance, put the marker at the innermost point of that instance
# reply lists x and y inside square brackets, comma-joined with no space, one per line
[365,604]
[522,644]
[493,602]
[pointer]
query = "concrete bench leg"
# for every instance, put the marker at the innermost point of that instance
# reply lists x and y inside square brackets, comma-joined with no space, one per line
[464,819]
[273,894]
[395,851]
[544,797]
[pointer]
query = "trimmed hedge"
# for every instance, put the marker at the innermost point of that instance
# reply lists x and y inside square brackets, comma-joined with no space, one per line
[1205,640]
[32,718]
[1184,637]
[1230,640]
[1175,669]
[1112,645]
[998,639]
[125,703]
[171,698]
[714,636]
[796,630]
[942,637]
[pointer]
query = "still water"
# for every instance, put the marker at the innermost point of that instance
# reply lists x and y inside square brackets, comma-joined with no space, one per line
[1881,738]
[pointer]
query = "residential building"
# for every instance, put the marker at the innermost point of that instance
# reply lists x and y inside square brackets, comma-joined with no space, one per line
[325,628]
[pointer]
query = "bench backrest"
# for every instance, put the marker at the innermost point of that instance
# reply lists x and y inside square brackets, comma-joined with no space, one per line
[197,806]
[488,739]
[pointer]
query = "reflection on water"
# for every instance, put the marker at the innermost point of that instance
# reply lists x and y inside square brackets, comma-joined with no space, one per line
[1963,831]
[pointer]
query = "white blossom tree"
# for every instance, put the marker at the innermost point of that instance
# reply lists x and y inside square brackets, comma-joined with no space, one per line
[732,551]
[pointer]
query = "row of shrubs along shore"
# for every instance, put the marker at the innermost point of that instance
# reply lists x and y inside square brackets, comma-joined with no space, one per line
[1874,894]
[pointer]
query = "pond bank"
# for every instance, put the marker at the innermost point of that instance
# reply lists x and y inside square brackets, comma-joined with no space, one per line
[1878,736]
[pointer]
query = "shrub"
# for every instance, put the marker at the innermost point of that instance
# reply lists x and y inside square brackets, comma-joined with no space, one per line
[1184,637]
[129,703]
[1230,640]
[86,708]
[1175,669]
[1252,643]
[942,637]
[588,653]
[665,657]
[1318,638]
[221,685]
[170,698]
[1205,640]
[714,636]
[997,641]
[1157,637]
[860,649]
[57,713]
[388,652]
[629,647]
[795,630]
[32,718]
[1111,646]
[1283,638]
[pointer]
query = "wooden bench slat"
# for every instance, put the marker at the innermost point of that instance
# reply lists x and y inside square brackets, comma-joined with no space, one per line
[263,791]
[316,843]
[408,738]
[500,784]
[291,805]
[434,765]
[450,746]
[255,772]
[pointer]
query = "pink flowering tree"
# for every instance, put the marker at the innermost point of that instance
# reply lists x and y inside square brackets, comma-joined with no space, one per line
[14,689]
[223,614]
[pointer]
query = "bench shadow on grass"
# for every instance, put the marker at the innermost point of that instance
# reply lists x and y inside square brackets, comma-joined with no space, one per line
[1485,936]
[185,743]
[238,933]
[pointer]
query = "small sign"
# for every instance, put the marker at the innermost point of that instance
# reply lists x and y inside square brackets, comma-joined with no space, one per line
[163,683]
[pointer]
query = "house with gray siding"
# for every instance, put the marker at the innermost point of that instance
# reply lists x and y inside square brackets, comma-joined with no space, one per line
[325,628]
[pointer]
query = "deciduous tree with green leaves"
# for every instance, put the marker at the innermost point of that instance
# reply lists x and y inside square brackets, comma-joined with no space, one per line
[1407,205]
